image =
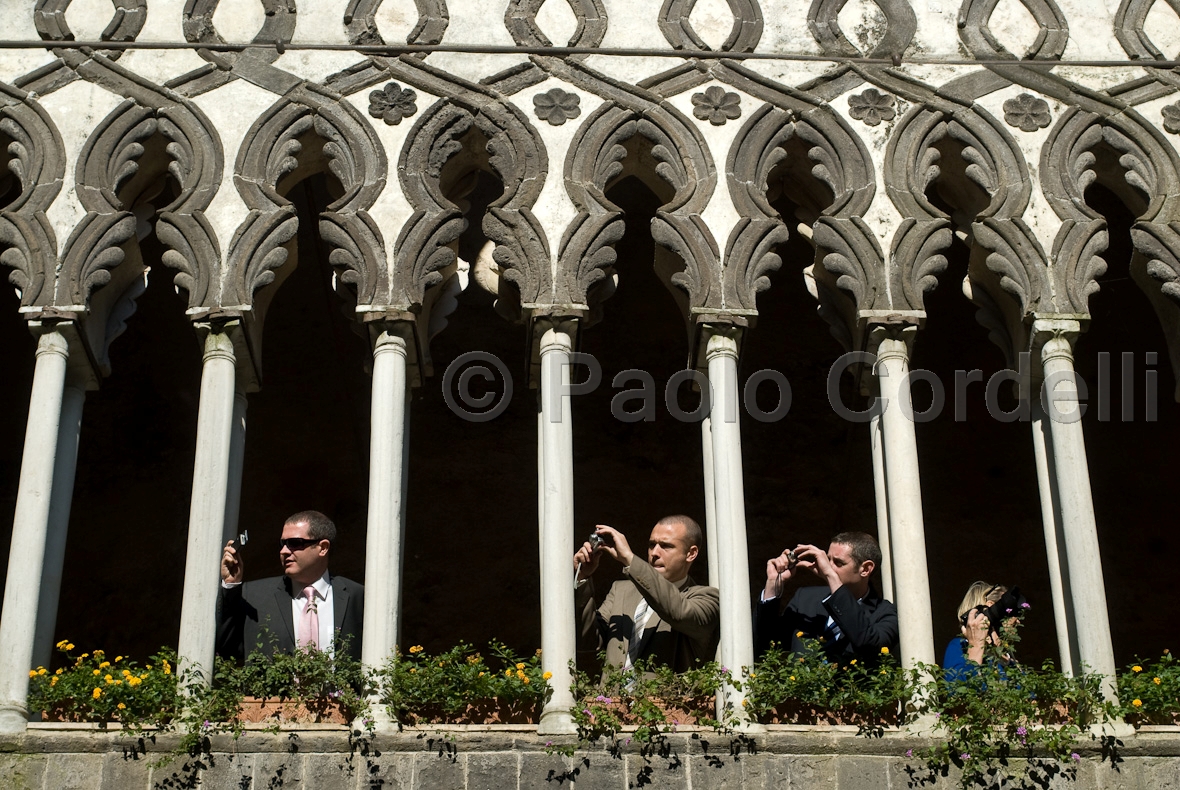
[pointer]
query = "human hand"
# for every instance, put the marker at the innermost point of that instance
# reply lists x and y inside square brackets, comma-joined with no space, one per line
[615,544]
[586,561]
[778,570]
[977,628]
[232,570]
[814,559]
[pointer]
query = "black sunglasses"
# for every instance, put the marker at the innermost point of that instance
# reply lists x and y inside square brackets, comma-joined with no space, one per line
[295,544]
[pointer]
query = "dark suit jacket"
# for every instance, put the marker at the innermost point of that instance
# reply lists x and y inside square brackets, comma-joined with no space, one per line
[682,630]
[866,627]
[245,612]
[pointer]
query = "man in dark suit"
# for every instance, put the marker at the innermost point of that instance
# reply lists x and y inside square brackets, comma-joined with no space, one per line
[657,612]
[305,607]
[845,612]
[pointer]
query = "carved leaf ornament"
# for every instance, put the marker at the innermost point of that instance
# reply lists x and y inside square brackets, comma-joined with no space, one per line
[1171,115]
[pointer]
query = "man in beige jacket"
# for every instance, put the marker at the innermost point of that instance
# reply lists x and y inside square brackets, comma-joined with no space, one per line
[657,612]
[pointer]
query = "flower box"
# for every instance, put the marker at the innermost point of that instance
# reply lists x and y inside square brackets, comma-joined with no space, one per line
[255,710]
[491,711]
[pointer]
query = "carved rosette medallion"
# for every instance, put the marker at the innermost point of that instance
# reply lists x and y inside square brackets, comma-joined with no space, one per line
[872,107]
[1171,115]
[557,106]
[716,105]
[1027,113]
[393,103]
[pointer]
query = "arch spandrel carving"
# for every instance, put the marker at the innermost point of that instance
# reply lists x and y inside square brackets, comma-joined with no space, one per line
[680,166]
[515,155]
[272,159]
[28,245]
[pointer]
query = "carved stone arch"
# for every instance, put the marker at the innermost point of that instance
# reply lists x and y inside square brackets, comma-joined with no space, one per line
[307,132]
[521,20]
[36,160]
[128,158]
[514,154]
[667,153]
[955,166]
[676,25]
[817,157]
[1129,156]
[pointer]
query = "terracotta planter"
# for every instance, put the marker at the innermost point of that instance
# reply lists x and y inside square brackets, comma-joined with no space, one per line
[491,711]
[276,711]
[678,712]
[793,712]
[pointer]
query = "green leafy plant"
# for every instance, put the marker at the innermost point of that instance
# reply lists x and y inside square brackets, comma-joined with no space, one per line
[315,680]
[461,685]
[1149,691]
[807,688]
[999,710]
[654,699]
[94,687]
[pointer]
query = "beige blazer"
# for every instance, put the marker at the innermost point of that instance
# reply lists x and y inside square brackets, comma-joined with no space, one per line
[682,631]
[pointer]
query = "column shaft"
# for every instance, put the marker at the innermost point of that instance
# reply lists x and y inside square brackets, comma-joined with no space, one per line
[906,530]
[1063,614]
[388,473]
[736,649]
[65,467]
[1095,652]
[881,491]
[710,500]
[30,525]
[237,460]
[558,627]
[206,526]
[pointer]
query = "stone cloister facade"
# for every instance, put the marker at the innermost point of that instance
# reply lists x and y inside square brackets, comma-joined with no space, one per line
[884,134]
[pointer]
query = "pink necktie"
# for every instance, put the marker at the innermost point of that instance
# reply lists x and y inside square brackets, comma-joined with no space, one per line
[309,621]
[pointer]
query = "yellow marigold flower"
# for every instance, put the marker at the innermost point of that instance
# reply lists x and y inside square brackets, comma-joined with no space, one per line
[126,672]
[792,677]
[744,702]
[70,646]
[1138,703]
[520,666]
[1136,668]
[97,672]
[440,663]
[507,673]
[416,649]
[32,673]
[852,662]
[753,675]
[59,671]
[884,651]
[1155,681]
[84,655]
[118,659]
[149,666]
[118,683]
[547,676]
[799,634]
[526,681]
[108,678]
[97,693]
[481,674]
[413,670]
[62,644]
[98,652]
[539,651]
[121,706]
[53,681]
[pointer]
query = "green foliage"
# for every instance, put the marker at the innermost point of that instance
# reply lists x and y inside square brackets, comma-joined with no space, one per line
[1149,692]
[96,688]
[808,688]
[654,699]
[316,679]
[417,686]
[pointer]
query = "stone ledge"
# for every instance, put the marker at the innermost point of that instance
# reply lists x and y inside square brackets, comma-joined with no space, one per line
[49,757]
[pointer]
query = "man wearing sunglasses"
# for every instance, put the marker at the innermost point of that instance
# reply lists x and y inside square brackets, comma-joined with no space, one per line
[305,607]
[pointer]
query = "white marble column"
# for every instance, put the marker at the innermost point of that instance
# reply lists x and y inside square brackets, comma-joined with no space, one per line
[237,459]
[881,492]
[65,466]
[1071,472]
[206,526]
[558,619]
[26,558]
[388,479]
[736,649]
[1063,615]
[907,535]
[710,500]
